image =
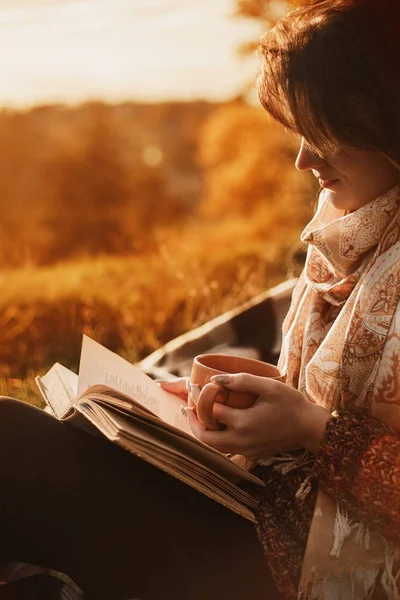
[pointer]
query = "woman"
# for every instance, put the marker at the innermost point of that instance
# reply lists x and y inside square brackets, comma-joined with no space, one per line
[327,441]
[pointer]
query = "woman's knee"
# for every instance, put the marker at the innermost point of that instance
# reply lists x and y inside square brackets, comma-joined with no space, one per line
[12,410]
[8,400]
[22,425]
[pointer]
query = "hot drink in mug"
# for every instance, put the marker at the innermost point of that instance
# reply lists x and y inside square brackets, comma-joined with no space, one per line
[207,365]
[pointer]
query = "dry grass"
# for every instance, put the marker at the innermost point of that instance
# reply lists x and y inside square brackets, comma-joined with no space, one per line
[133,304]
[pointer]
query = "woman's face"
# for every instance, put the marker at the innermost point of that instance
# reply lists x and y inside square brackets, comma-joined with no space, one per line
[351,177]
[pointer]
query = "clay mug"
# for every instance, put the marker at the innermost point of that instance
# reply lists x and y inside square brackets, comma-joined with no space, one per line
[207,365]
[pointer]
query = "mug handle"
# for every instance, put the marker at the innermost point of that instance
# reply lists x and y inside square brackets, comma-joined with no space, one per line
[211,393]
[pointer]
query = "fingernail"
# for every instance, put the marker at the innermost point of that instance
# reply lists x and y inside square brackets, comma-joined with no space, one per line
[163,380]
[183,409]
[188,384]
[194,392]
[222,379]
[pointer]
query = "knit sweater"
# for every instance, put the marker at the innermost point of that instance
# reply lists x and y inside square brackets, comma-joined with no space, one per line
[358,464]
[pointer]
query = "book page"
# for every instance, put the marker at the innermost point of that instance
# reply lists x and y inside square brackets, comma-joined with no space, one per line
[100,366]
[59,388]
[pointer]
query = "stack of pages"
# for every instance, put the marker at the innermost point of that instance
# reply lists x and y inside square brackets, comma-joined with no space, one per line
[116,399]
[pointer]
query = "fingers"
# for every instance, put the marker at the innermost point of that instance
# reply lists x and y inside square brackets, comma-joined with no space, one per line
[194,424]
[176,386]
[181,387]
[223,441]
[194,392]
[244,382]
[226,415]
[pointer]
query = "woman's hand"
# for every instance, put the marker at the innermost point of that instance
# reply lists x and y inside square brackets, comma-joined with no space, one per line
[280,420]
[178,386]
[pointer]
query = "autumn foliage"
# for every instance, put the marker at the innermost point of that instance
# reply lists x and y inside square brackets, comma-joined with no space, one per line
[135,223]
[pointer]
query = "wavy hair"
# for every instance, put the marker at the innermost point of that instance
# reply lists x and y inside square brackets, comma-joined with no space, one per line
[330,71]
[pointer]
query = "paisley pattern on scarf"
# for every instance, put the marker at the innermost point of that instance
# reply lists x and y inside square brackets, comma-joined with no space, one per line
[351,362]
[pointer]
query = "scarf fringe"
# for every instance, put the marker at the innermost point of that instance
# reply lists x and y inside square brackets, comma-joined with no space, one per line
[363,535]
[284,463]
[390,580]
[304,489]
[341,530]
[390,577]
[322,588]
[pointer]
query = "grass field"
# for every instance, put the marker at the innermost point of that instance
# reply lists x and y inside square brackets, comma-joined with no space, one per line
[133,304]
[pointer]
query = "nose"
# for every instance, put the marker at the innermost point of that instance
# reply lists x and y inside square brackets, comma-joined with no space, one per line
[306,159]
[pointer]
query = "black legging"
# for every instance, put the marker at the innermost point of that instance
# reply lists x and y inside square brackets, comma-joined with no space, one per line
[117,526]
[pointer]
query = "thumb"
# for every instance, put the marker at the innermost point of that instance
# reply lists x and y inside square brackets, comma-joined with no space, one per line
[244,382]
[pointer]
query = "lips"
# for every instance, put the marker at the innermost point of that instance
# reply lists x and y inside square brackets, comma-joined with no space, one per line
[327,183]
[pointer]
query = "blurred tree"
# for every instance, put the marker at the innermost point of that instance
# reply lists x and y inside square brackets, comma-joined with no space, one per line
[248,160]
[23,187]
[90,192]
[249,163]
[95,179]
[267,12]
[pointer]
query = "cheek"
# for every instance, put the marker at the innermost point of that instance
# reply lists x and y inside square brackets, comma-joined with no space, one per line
[364,180]
[368,174]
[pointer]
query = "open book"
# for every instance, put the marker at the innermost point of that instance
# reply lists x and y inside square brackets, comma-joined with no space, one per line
[115,398]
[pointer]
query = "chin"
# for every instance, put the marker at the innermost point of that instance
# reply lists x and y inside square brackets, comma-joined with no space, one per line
[341,201]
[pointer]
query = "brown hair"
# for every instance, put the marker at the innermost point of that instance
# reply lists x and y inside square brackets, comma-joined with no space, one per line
[331,73]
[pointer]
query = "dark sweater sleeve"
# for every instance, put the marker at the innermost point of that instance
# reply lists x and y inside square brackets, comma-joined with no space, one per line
[358,464]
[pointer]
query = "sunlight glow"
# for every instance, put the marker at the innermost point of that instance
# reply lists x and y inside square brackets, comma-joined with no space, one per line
[121,49]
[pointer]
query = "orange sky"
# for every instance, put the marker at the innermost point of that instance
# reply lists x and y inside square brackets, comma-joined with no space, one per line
[114,50]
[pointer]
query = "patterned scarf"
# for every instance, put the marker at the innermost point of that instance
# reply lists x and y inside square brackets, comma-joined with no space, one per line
[341,350]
